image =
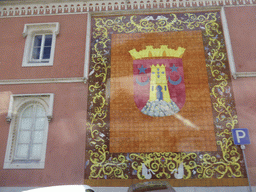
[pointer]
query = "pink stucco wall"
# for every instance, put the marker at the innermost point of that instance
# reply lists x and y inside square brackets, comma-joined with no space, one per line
[242,25]
[66,136]
[245,97]
[69,50]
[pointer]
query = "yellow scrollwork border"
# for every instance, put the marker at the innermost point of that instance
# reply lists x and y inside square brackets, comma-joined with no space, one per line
[226,162]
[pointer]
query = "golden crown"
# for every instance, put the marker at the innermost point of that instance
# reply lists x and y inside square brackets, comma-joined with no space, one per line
[164,51]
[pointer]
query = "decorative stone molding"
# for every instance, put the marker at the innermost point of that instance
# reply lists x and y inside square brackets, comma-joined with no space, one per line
[47,97]
[32,27]
[117,5]
[46,80]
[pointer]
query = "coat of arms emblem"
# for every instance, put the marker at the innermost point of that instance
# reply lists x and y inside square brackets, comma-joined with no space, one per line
[158,80]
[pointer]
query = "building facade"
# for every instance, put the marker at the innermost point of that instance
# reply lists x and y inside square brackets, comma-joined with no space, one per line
[111,93]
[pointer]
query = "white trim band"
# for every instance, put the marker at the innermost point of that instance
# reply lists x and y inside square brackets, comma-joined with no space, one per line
[87,46]
[228,42]
[47,80]
[244,74]
[17,9]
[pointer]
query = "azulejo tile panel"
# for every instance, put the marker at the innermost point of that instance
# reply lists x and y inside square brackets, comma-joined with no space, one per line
[160,102]
[176,123]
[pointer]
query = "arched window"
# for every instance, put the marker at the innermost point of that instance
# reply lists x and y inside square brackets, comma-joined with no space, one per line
[29,116]
[32,122]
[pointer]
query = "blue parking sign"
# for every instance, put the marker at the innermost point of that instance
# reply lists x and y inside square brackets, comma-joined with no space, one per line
[241,136]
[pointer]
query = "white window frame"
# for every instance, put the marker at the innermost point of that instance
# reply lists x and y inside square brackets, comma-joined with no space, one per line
[17,102]
[32,29]
[40,60]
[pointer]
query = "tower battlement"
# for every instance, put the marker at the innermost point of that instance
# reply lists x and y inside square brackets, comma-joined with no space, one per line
[163,51]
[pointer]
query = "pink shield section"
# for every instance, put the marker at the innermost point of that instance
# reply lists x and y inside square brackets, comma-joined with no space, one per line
[174,76]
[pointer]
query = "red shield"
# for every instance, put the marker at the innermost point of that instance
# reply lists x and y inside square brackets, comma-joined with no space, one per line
[159,88]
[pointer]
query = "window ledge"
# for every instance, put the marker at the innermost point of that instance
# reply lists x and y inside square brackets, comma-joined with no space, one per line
[10,165]
[30,64]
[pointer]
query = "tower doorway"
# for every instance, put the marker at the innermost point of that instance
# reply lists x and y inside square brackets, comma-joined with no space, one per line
[159,93]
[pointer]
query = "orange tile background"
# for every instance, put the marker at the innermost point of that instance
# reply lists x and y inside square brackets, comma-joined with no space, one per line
[189,130]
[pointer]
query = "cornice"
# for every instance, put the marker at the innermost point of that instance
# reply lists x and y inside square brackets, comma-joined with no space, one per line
[40,81]
[50,7]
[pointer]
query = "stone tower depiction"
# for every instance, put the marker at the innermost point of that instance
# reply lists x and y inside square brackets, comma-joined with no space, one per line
[158,84]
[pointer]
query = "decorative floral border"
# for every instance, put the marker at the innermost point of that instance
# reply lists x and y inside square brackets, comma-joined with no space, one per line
[225,163]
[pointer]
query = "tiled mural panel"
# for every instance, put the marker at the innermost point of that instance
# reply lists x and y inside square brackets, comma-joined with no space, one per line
[160,101]
[190,129]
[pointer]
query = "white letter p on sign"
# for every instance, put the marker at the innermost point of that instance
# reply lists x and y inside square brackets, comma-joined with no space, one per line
[240,136]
